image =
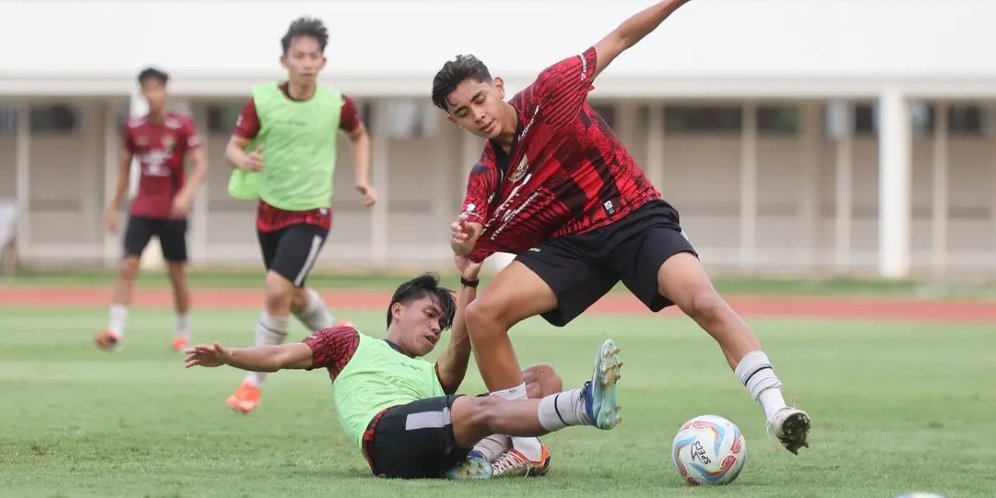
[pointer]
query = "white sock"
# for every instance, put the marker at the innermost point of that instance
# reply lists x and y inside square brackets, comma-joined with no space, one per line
[757,374]
[772,401]
[560,410]
[493,446]
[116,319]
[183,325]
[528,446]
[314,316]
[270,330]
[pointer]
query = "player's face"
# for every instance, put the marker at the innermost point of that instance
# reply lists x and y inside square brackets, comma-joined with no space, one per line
[303,60]
[420,325]
[154,92]
[477,106]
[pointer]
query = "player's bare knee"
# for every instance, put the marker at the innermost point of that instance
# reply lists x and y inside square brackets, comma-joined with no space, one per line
[706,306]
[129,268]
[542,380]
[483,314]
[176,273]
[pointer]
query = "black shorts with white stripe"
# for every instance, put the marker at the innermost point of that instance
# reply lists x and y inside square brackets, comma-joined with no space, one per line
[414,441]
[292,251]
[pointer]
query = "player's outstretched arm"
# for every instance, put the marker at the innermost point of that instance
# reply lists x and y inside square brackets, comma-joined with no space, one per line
[633,30]
[255,359]
[451,366]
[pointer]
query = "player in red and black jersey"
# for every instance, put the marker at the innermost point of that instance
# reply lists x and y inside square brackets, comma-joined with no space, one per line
[556,187]
[160,141]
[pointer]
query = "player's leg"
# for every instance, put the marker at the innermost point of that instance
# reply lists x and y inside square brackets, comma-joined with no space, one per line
[307,305]
[557,281]
[294,250]
[247,396]
[594,404]
[541,380]
[173,240]
[661,268]
[682,278]
[137,235]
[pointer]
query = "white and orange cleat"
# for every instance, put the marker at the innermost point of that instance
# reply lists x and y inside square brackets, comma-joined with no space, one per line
[108,341]
[245,398]
[513,463]
[180,344]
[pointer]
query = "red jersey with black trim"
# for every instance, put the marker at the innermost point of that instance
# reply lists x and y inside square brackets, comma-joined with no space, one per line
[566,173]
[160,148]
[270,218]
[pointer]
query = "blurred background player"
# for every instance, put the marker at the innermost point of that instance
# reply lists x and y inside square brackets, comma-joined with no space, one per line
[400,410]
[555,186]
[284,143]
[160,140]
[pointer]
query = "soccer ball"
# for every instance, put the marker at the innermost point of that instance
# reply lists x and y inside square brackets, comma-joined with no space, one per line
[709,450]
[920,495]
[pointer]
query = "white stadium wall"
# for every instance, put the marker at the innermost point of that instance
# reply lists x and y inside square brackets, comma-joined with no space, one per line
[754,195]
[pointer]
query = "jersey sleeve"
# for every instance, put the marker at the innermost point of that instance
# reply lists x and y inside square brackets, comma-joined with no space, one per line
[349,117]
[247,124]
[563,87]
[481,186]
[192,134]
[332,348]
[129,139]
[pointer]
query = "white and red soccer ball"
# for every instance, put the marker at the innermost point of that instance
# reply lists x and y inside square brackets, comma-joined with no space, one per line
[709,450]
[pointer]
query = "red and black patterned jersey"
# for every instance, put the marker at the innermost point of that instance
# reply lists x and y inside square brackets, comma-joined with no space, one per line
[271,219]
[566,173]
[332,348]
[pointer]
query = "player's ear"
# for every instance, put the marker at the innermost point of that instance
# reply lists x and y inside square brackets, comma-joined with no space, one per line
[451,119]
[499,85]
[396,310]
[322,65]
[283,61]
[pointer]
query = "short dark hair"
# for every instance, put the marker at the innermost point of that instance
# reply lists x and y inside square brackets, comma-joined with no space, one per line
[152,73]
[424,285]
[455,72]
[306,26]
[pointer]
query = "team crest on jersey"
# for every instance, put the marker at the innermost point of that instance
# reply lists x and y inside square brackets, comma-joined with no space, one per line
[519,171]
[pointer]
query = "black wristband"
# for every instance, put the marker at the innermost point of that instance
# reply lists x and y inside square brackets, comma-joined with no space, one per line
[469,283]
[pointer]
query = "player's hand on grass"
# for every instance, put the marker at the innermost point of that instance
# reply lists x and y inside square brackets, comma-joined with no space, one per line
[368,192]
[468,269]
[207,356]
[253,160]
[111,220]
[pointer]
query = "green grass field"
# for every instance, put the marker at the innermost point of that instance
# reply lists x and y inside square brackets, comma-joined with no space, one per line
[896,407]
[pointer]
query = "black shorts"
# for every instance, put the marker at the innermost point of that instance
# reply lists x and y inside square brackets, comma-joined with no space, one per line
[413,441]
[292,251]
[172,235]
[582,268]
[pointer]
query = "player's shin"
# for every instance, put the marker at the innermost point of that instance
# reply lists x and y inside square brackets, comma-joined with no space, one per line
[270,331]
[314,315]
[756,373]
